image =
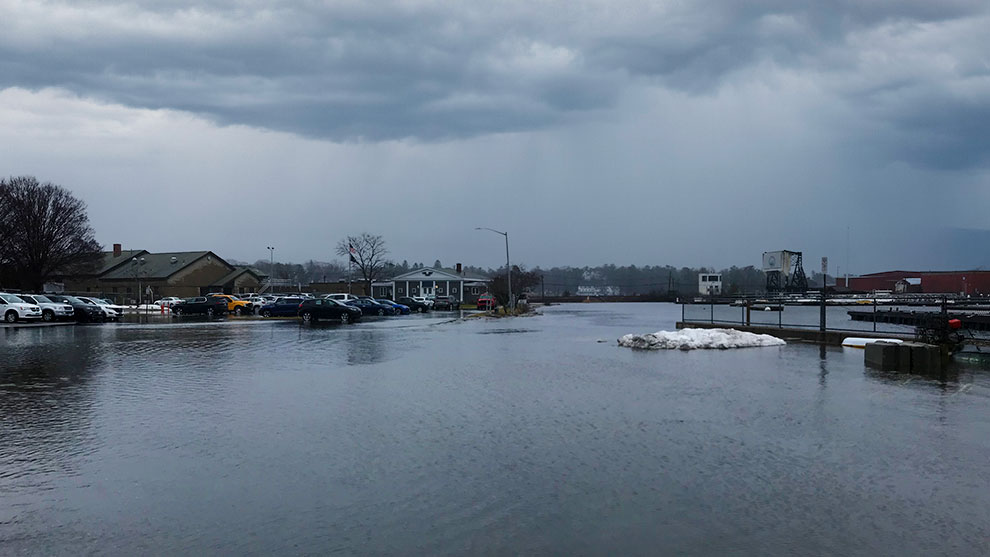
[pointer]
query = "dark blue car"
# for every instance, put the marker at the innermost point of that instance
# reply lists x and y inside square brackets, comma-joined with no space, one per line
[281,307]
[371,307]
[400,309]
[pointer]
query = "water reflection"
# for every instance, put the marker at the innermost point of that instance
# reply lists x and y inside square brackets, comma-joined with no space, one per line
[46,407]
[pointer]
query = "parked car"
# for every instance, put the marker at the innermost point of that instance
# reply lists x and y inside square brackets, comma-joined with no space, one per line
[446,303]
[282,307]
[390,308]
[341,297]
[258,301]
[486,302]
[167,301]
[414,305]
[107,303]
[14,309]
[401,309]
[424,300]
[109,313]
[203,305]
[50,310]
[235,305]
[327,308]
[82,311]
[371,307]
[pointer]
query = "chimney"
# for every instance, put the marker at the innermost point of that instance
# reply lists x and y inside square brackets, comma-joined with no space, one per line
[459,270]
[116,250]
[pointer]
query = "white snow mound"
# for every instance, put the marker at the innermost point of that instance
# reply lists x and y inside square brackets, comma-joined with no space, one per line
[694,339]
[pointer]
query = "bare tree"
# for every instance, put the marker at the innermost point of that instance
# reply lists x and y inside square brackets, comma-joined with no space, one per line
[45,230]
[366,252]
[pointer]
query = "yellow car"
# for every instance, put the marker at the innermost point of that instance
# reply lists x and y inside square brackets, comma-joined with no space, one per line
[235,305]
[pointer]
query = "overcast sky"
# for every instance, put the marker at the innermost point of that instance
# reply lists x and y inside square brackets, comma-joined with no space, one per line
[626,132]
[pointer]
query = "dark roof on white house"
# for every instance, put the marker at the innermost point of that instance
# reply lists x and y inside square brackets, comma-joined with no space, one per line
[428,273]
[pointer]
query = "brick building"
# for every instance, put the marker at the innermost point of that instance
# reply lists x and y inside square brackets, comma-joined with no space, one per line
[931,282]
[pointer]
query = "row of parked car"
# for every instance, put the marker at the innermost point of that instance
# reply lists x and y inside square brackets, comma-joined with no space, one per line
[56,307]
[338,307]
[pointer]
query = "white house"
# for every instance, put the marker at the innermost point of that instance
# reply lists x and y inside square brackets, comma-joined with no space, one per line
[433,282]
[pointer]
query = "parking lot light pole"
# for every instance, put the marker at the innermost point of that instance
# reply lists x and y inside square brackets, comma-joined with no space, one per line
[271,269]
[508,268]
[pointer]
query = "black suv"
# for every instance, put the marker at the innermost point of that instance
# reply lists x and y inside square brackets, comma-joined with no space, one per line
[446,303]
[208,305]
[325,308]
[84,312]
[414,305]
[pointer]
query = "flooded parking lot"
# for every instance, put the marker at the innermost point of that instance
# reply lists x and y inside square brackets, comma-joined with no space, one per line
[429,434]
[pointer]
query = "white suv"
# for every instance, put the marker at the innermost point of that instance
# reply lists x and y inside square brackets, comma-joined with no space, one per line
[424,300]
[343,298]
[13,309]
[50,311]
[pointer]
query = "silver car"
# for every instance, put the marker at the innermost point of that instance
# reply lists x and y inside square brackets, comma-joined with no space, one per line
[50,311]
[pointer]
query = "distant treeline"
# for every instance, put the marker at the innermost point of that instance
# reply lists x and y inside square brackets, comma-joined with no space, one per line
[650,279]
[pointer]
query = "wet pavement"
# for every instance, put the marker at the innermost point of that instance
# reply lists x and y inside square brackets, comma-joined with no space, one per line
[428,434]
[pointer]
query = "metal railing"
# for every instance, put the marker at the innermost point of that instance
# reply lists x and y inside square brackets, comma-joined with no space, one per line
[751,307]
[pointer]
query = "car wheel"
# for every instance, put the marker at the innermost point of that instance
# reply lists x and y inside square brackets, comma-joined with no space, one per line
[48,315]
[381,312]
[177,311]
[345,317]
[266,313]
[307,317]
[10,317]
[209,312]
[238,311]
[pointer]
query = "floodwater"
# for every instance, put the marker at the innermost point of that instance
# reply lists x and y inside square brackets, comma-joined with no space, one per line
[426,435]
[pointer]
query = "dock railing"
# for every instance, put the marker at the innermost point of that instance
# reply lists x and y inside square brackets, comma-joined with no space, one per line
[795,311]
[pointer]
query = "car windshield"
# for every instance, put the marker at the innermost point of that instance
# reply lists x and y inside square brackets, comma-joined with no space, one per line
[11,299]
[42,299]
[71,300]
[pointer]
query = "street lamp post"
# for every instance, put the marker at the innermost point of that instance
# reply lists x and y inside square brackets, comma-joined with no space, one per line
[271,268]
[135,262]
[508,268]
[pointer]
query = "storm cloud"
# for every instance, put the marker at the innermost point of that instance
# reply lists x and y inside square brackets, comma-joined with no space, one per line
[372,71]
[689,133]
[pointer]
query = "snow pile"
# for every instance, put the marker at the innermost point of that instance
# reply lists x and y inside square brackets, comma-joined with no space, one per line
[693,339]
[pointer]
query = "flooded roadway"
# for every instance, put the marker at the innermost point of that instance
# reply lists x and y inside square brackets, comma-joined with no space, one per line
[420,434]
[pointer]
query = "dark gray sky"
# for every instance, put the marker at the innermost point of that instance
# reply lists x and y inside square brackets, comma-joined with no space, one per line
[689,133]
